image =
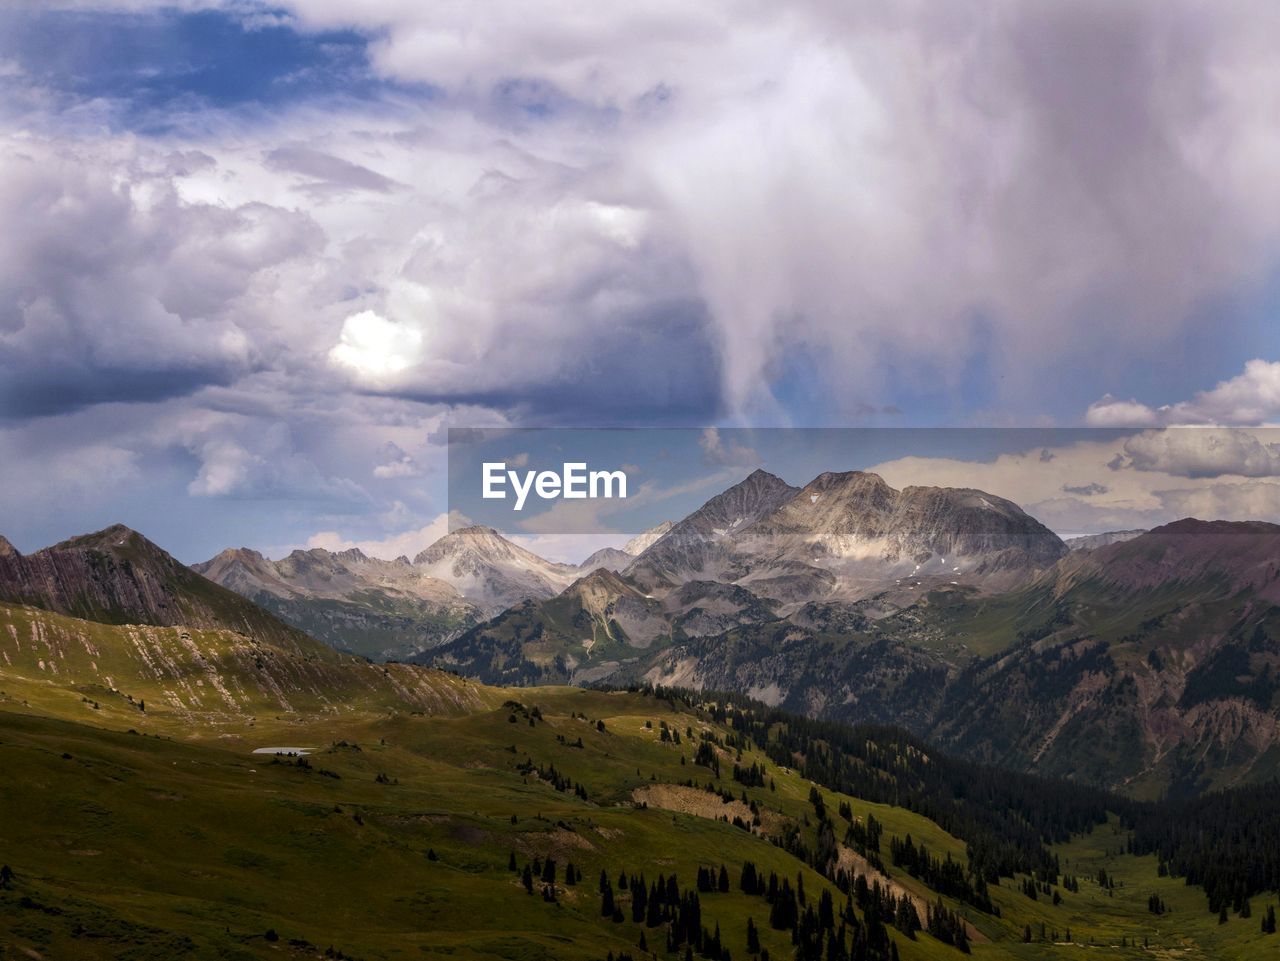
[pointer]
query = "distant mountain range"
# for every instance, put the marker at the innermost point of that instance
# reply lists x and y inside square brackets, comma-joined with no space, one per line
[1147,661]
[395,609]
[1091,541]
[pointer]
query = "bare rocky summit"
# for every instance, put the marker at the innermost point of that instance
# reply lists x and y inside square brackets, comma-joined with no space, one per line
[117,576]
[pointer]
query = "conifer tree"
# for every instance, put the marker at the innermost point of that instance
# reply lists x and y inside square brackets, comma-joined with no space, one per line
[753,938]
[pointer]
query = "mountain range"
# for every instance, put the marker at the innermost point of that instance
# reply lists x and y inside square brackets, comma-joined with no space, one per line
[195,778]
[392,609]
[1143,661]
[146,708]
[1140,660]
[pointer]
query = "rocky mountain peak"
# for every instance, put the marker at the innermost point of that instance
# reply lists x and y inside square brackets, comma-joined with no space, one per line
[694,546]
[490,570]
[845,493]
[761,480]
[115,536]
[233,555]
[960,521]
[241,569]
[467,540]
[118,576]
[858,481]
[607,557]
[601,579]
[7,549]
[750,499]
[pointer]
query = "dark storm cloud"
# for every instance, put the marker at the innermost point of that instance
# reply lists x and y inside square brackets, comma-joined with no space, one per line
[46,392]
[117,290]
[656,367]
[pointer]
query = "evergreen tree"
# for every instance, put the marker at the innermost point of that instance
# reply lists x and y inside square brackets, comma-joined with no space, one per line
[753,938]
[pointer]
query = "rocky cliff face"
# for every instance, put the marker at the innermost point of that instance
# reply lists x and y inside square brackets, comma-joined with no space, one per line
[874,679]
[601,626]
[701,545]
[117,576]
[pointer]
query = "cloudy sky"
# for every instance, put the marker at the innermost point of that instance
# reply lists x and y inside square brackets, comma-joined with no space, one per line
[256,258]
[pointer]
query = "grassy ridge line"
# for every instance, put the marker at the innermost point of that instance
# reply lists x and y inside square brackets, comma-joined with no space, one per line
[65,666]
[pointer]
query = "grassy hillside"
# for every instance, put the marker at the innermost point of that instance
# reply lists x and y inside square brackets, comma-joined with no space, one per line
[395,839]
[157,833]
[123,675]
